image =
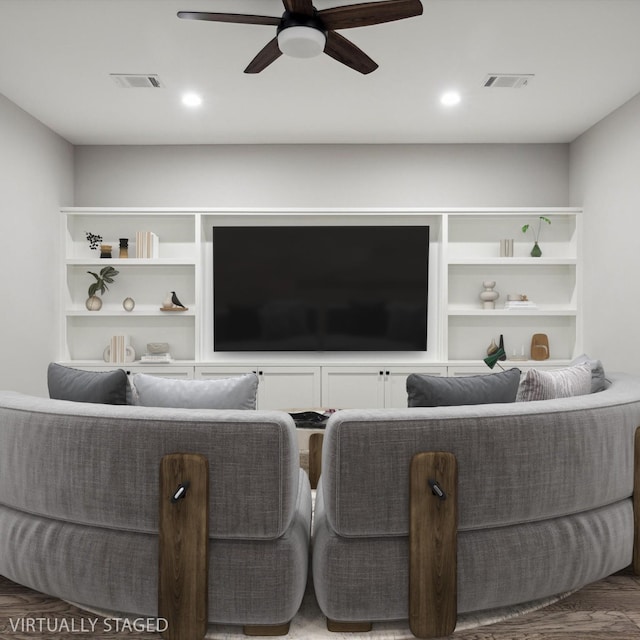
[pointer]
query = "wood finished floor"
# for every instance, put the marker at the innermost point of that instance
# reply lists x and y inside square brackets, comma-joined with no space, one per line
[606,610]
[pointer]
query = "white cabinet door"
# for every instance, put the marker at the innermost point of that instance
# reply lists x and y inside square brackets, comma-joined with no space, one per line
[208,372]
[353,387]
[158,370]
[370,387]
[395,379]
[162,371]
[289,388]
[471,370]
[279,387]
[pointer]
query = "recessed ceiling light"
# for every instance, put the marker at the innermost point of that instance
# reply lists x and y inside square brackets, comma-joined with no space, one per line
[450,98]
[191,100]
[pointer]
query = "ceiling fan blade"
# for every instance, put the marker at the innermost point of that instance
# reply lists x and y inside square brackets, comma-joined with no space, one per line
[369,13]
[268,54]
[304,7]
[229,17]
[342,50]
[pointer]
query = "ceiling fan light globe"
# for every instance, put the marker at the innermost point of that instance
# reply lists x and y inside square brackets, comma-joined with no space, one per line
[301,42]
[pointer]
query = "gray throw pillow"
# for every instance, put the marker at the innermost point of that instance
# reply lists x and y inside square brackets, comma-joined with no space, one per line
[102,387]
[432,391]
[598,379]
[555,383]
[239,392]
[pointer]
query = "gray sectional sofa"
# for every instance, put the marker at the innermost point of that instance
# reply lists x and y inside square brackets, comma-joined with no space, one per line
[544,490]
[79,496]
[544,500]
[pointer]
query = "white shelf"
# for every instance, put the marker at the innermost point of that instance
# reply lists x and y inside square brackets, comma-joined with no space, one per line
[138,311]
[511,362]
[540,311]
[510,262]
[130,262]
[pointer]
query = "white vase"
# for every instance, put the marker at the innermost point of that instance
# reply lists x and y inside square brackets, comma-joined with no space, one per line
[94,303]
[489,296]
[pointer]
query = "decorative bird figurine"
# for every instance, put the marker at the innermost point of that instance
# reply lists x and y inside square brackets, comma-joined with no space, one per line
[172,303]
[176,301]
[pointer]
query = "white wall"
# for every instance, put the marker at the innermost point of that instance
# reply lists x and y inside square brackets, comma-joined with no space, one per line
[605,180]
[323,175]
[36,179]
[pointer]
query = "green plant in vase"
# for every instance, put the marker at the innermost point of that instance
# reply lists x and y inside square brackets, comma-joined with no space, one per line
[106,276]
[536,252]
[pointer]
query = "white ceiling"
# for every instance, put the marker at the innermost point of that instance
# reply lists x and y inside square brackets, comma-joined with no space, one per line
[56,57]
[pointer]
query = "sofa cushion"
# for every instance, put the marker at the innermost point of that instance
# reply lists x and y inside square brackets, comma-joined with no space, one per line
[103,387]
[555,383]
[432,391]
[224,393]
[598,378]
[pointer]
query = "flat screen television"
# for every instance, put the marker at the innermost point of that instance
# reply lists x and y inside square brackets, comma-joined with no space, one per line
[320,288]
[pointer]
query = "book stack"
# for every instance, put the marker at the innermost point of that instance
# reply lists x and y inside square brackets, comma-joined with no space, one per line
[157,353]
[147,245]
[520,305]
[156,358]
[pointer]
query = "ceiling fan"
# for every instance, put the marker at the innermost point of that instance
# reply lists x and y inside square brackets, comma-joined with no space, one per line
[304,32]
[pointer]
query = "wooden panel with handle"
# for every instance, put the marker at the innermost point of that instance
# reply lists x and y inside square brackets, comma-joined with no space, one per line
[433,543]
[315,458]
[184,546]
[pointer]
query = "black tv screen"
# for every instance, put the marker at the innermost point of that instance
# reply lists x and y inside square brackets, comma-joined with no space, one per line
[322,288]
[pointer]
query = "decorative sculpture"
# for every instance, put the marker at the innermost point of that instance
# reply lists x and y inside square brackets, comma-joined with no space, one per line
[489,296]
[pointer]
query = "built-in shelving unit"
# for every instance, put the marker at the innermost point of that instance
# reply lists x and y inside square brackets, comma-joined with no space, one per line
[464,252]
[471,255]
[177,268]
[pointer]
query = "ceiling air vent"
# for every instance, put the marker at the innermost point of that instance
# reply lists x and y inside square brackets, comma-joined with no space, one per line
[137,80]
[508,80]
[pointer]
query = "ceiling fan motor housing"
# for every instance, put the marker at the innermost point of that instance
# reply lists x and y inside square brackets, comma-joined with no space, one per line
[300,35]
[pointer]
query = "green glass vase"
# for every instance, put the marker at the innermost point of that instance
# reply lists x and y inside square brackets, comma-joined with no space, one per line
[536,252]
